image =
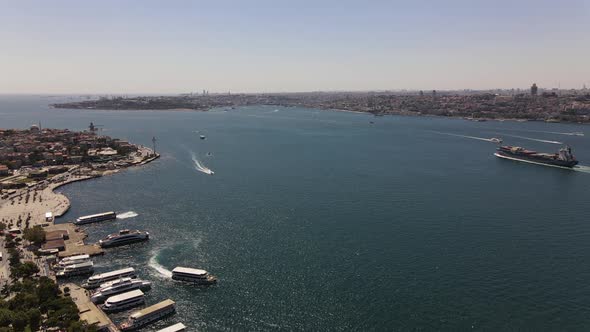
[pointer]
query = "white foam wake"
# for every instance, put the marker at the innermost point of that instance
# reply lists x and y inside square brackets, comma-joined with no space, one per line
[582,168]
[128,214]
[465,136]
[535,139]
[200,167]
[153,263]
[576,133]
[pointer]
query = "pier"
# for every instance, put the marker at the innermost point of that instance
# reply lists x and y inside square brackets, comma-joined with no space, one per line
[88,310]
[73,240]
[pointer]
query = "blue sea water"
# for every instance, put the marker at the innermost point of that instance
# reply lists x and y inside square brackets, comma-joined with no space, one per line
[320,220]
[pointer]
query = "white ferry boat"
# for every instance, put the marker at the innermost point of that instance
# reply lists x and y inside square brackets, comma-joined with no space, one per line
[124,237]
[117,287]
[96,218]
[76,270]
[178,327]
[197,276]
[99,279]
[123,301]
[73,260]
[148,315]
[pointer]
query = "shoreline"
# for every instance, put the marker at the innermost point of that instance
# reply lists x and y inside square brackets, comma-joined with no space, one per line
[412,114]
[13,209]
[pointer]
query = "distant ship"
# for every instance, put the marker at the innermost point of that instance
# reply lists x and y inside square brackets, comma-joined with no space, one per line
[564,158]
[202,136]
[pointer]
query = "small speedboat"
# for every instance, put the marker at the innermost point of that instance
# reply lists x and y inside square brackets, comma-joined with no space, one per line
[202,136]
[496,140]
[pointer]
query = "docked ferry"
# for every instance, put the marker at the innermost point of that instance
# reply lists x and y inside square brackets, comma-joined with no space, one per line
[117,287]
[148,315]
[73,270]
[73,260]
[123,301]
[124,237]
[96,280]
[196,276]
[96,218]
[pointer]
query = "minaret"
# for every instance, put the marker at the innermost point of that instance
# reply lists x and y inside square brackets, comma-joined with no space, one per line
[154,144]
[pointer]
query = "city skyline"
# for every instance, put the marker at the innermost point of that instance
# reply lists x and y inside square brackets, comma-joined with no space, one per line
[182,46]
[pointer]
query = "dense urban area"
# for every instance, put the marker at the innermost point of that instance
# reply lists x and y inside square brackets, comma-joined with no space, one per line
[535,104]
[34,162]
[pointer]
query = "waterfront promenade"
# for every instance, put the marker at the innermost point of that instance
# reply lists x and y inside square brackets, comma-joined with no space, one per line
[88,310]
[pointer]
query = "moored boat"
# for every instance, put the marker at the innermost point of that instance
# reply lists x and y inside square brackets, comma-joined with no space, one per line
[148,315]
[96,280]
[73,270]
[123,301]
[117,287]
[73,260]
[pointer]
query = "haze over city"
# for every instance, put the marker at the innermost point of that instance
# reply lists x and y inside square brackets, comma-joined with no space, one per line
[61,47]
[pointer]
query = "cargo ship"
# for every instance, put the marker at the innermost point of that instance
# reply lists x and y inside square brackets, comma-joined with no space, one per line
[563,158]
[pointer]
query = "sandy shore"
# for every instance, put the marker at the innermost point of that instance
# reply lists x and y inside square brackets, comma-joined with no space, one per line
[34,202]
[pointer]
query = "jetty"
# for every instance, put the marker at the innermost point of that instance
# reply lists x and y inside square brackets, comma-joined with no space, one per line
[88,310]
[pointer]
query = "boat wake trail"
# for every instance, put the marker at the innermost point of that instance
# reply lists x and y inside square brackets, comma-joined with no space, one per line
[577,133]
[200,167]
[162,271]
[128,214]
[465,136]
[581,168]
[535,139]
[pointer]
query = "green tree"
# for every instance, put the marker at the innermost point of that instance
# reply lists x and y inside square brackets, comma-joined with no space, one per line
[25,270]
[34,318]
[47,290]
[35,235]
[5,317]
[19,321]
[14,258]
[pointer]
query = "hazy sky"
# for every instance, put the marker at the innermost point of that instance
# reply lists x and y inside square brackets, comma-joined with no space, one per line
[53,46]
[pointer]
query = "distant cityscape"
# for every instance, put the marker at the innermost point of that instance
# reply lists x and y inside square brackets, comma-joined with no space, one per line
[535,104]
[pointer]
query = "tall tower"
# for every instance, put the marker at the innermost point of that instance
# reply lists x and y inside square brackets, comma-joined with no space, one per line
[154,144]
[534,89]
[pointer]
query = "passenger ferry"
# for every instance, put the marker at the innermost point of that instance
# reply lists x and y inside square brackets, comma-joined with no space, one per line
[96,218]
[73,260]
[76,270]
[174,328]
[124,237]
[148,315]
[96,280]
[117,287]
[197,276]
[123,301]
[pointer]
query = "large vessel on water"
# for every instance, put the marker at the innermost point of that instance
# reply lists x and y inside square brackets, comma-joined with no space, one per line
[178,327]
[196,276]
[123,301]
[563,158]
[124,237]
[96,280]
[148,315]
[73,260]
[96,218]
[73,270]
[117,287]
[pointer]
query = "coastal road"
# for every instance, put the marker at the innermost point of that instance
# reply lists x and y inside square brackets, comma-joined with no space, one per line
[4,271]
